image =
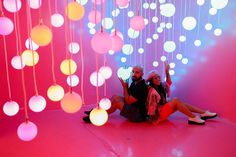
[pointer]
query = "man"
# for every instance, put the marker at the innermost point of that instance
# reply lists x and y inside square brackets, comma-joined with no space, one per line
[132,103]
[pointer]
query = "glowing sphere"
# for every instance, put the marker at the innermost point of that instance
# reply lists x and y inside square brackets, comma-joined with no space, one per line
[217,32]
[208,26]
[82,2]
[163,58]
[200,2]
[31,45]
[97,79]
[6,26]
[133,33]
[98,116]
[107,23]
[37,103]
[123,59]
[101,42]
[41,35]
[130,13]
[197,43]
[145,5]
[55,92]
[94,17]
[189,23]
[115,12]
[149,40]
[155,19]
[212,11]
[185,60]
[127,49]
[162,1]
[155,36]
[171,72]
[123,73]
[155,63]
[117,33]
[169,46]
[34,4]
[219,4]
[71,102]
[68,67]
[12,5]
[168,25]
[30,57]
[17,62]
[10,108]
[137,23]
[98,1]
[27,131]
[105,71]
[116,43]
[72,80]
[159,30]
[179,56]
[75,11]
[167,9]
[57,20]
[74,47]
[141,50]
[105,103]
[182,38]
[122,3]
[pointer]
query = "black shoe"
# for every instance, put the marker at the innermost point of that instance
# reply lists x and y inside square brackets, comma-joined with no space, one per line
[88,112]
[208,117]
[196,123]
[86,119]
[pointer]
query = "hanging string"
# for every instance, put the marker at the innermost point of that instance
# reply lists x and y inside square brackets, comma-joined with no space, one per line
[40,12]
[51,46]
[15,25]
[55,6]
[1,10]
[29,27]
[82,62]
[97,92]
[115,17]
[105,84]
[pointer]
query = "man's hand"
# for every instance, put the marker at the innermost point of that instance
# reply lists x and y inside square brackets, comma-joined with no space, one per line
[123,83]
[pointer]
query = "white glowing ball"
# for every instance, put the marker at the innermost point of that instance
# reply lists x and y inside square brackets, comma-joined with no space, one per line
[145,5]
[98,116]
[217,32]
[71,102]
[105,103]
[185,60]
[111,52]
[107,23]
[37,103]
[149,40]
[92,31]
[127,49]
[115,12]
[179,56]
[172,65]
[155,19]
[11,108]
[17,62]
[74,47]
[30,44]
[155,63]
[55,92]
[94,17]
[182,38]
[162,1]
[171,72]
[123,73]
[6,26]
[137,23]
[116,43]
[168,25]
[91,25]
[72,80]
[163,58]
[106,71]
[167,9]
[219,4]
[12,5]
[130,13]
[162,24]
[27,131]
[57,20]
[123,59]
[159,30]
[133,33]
[212,11]
[200,2]
[141,50]
[82,2]
[97,79]
[189,23]
[197,43]
[34,4]
[145,21]
[101,42]
[169,46]
[153,6]
[208,26]
[155,36]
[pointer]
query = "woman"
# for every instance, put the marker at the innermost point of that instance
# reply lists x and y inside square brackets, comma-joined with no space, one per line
[159,109]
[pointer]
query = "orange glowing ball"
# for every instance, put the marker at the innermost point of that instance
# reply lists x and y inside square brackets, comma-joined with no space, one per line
[98,116]
[30,57]
[55,92]
[41,35]
[74,11]
[68,67]
[71,102]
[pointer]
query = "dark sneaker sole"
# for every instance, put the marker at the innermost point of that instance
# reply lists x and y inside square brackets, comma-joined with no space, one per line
[195,123]
[208,117]
[86,119]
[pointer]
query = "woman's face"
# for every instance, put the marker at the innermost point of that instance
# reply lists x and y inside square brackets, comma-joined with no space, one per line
[156,80]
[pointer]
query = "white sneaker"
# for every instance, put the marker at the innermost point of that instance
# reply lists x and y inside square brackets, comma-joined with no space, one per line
[196,120]
[208,115]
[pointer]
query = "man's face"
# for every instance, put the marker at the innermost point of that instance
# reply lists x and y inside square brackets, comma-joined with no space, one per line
[137,74]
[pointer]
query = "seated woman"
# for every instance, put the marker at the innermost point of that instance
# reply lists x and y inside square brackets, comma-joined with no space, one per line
[159,109]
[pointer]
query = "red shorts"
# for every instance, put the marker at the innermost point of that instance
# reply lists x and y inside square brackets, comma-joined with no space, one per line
[165,111]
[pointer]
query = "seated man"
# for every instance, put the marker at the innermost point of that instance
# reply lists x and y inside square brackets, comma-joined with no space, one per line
[133,102]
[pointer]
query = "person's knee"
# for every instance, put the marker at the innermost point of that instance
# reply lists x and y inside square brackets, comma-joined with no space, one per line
[176,100]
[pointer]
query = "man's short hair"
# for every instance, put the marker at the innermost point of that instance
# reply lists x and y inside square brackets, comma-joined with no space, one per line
[139,67]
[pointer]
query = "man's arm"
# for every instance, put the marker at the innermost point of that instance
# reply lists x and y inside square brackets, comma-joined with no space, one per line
[129,99]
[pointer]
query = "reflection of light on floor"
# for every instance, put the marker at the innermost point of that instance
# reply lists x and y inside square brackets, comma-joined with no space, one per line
[176,152]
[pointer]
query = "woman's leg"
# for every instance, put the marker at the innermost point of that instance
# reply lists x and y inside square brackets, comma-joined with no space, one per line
[194,109]
[117,102]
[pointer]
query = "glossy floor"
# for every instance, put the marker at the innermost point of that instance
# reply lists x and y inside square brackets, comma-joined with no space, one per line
[66,135]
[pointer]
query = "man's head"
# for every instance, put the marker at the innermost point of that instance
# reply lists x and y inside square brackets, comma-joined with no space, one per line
[137,73]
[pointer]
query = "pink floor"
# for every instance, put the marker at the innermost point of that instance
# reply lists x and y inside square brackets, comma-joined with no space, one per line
[65,135]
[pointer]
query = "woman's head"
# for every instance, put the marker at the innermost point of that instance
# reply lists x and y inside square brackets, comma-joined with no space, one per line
[154,79]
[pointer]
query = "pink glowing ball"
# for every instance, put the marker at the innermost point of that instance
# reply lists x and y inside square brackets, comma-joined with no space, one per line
[105,103]
[116,43]
[122,3]
[6,26]
[71,102]
[92,15]
[137,23]
[37,103]
[27,131]
[101,42]
[98,1]
[17,62]
[11,108]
